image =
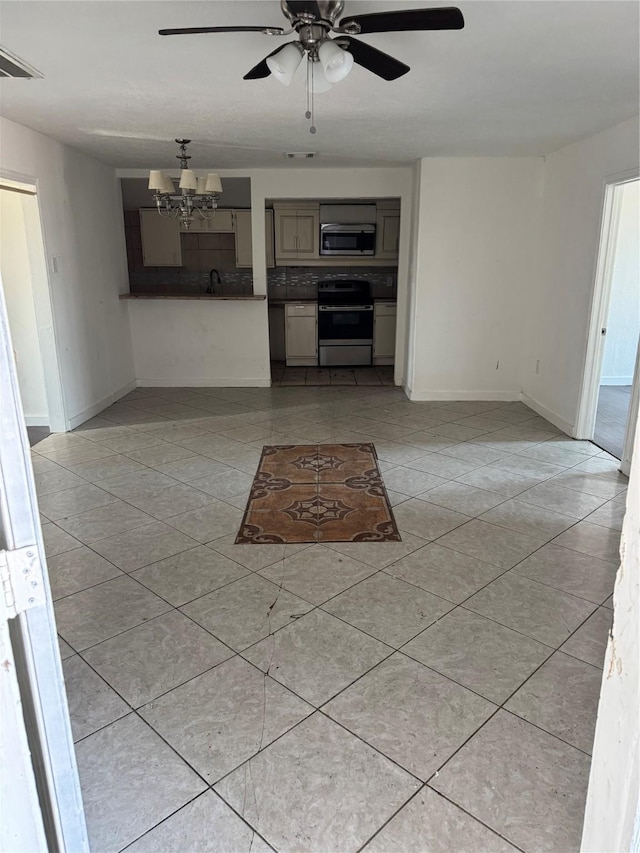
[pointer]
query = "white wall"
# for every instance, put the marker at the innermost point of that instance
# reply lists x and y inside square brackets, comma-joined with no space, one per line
[613,798]
[475,255]
[83,229]
[560,305]
[16,282]
[199,342]
[623,325]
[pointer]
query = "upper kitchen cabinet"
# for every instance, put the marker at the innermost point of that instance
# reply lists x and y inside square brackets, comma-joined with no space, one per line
[221,223]
[160,240]
[387,232]
[297,230]
[244,249]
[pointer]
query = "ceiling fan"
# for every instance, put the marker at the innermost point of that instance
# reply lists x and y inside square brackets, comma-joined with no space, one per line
[331,59]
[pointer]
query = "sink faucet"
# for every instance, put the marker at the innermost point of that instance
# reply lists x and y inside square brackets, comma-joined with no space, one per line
[210,289]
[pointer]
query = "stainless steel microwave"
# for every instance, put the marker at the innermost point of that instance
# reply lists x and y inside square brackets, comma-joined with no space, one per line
[347,239]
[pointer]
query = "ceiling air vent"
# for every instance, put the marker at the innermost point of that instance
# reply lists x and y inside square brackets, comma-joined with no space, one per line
[12,66]
[300,155]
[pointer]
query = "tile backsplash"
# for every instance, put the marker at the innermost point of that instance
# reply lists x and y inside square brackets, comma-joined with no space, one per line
[203,252]
[302,282]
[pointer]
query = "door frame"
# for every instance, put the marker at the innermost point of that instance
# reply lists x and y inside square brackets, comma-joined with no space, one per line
[42,295]
[600,305]
[53,788]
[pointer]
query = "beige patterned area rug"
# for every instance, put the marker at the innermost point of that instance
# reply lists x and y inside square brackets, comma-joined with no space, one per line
[318,493]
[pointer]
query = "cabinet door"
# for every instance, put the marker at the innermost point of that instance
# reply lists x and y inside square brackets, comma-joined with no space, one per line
[384,333]
[301,331]
[388,233]
[160,240]
[244,251]
[286,234]
[221,223]
[271,261]
[308,244]
[244,248]
[196,226]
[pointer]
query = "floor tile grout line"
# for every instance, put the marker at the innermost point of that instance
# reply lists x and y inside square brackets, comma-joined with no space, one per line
[382,569]
[417,793]
[192,800]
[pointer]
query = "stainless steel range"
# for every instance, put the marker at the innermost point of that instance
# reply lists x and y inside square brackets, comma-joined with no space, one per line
[345,323]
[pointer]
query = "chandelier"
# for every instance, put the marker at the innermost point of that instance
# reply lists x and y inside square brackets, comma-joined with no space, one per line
[196,196]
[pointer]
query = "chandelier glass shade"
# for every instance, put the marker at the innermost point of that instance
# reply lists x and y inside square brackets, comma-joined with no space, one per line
[196,196]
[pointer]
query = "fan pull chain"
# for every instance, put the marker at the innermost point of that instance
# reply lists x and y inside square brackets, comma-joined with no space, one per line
[310,97]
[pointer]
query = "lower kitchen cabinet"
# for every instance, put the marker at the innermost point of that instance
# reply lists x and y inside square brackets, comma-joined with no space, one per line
[384,332]
[301,334]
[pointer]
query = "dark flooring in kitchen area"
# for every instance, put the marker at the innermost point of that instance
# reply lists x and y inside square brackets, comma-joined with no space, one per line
[434,693]
[611,418]
[283,375]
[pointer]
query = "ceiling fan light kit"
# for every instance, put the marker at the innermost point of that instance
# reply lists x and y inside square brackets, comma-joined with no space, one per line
[284,64]
[336,62]
[197,196]
[330,60]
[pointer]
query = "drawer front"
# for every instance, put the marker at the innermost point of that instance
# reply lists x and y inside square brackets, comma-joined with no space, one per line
[385,309]
[300,310]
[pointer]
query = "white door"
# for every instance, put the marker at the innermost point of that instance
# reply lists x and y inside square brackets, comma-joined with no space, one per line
[41,806]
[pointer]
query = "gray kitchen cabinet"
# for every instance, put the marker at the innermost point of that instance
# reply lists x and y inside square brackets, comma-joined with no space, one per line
[244,249]
[160,239]
[221,223]
[301,334]
[387,233]
[384,332]
[297,232]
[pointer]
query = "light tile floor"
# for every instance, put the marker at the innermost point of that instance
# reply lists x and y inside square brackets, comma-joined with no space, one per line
[438,693]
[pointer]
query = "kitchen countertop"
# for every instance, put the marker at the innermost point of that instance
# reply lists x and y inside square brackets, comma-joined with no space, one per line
[252,298]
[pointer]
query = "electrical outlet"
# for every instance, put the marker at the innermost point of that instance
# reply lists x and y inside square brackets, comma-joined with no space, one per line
[538,365]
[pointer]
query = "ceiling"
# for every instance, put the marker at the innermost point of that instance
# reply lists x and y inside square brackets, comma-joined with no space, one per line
[525,77]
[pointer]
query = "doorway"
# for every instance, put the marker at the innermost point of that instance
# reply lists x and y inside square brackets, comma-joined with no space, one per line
[609,403]
[25,285]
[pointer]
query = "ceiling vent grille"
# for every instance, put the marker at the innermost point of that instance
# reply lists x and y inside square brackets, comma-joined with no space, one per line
[12,66]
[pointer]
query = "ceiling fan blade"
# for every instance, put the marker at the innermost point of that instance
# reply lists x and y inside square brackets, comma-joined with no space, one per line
[374,60]
[262,69]
[188,31]
[446,18]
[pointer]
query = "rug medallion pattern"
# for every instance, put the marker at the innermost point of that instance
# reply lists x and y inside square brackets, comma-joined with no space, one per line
[318,493]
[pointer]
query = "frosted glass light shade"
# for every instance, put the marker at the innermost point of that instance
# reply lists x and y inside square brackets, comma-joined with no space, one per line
[157,180]
[320,82]
[283,64]
[214,184]
[336,62]
[188,180]
[202,184]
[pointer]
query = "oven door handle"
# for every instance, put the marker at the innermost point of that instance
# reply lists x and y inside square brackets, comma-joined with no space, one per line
[344,308]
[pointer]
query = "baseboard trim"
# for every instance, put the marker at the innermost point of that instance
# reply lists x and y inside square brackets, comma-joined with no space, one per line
[36,420]
[427,396]
[548,415]
[204,383]
[96,408]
